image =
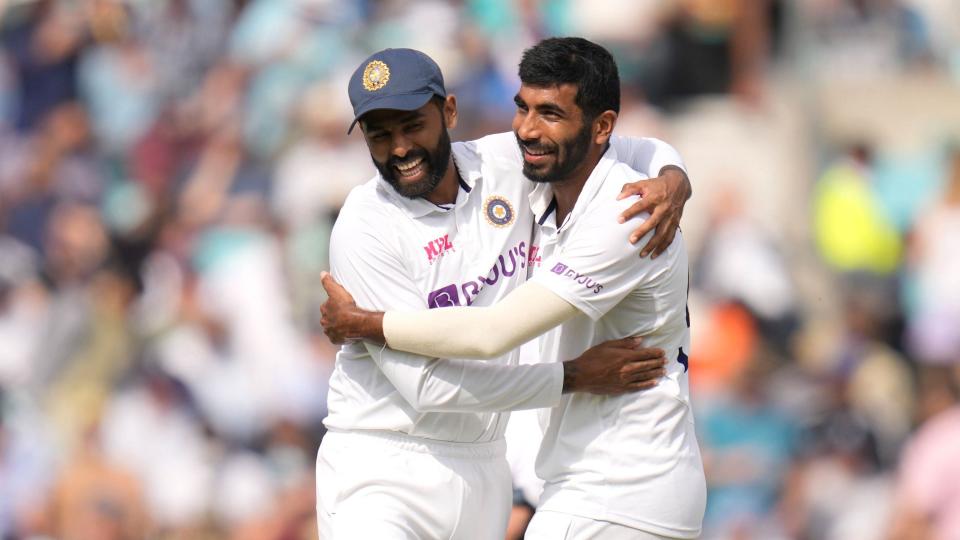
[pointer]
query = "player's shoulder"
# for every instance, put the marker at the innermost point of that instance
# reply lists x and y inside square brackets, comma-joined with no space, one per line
[365,197]
[492,149]
[366,207]
[497,161]
[640,148]
[623,172]
[619,174]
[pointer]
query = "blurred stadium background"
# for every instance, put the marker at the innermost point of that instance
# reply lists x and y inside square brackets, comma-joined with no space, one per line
[170,170]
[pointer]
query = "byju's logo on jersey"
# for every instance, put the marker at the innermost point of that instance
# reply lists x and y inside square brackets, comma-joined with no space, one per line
[504,268]
[436,248]
[563,270]
[498,211]
[443,297]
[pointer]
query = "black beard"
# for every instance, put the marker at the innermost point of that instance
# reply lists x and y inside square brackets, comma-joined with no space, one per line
[436,161]
[574,152]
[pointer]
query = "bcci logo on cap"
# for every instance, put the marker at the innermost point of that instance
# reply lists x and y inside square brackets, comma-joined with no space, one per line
[375,76]
[498,211]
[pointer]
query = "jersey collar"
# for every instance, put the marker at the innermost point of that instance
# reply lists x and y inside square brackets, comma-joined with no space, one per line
[467,163]
[543,203]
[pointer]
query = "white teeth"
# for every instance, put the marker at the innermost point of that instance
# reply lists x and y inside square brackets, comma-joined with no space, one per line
[407,166]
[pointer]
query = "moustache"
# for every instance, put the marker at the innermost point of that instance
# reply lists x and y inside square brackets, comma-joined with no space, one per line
[536,146]
[411,156]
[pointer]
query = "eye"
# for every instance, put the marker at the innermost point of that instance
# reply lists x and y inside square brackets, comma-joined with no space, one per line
[416,126]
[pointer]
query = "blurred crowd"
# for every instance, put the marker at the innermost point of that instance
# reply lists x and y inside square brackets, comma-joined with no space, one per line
[170,171]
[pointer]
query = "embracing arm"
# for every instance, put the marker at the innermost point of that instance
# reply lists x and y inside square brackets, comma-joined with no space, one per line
[372,267]
[486,332]
[369,267]
[522,315]
[663,195]
[435,385]
[459,332]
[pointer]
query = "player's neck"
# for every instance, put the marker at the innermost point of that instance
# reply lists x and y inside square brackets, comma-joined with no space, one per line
[567,191]
[446,191]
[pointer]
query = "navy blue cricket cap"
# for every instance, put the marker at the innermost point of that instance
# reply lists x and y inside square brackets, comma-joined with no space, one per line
[400,79]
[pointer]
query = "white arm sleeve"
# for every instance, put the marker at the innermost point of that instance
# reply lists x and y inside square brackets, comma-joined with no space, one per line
[522,315]
[363,261]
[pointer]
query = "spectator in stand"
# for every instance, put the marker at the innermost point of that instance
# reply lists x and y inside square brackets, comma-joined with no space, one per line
[935,262]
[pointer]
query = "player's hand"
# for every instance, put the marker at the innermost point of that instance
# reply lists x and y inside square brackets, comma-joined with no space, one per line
[663,197]
[615,367]
[342,320]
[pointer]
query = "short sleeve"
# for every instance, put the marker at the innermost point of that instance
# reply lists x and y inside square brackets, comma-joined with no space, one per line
[365,262]
[596,266]
[646,155]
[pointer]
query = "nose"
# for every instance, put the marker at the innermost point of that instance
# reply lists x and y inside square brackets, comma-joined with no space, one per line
[526,126]
[400,144]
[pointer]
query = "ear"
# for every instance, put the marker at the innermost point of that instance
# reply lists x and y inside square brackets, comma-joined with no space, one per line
[450,111]
[603,127]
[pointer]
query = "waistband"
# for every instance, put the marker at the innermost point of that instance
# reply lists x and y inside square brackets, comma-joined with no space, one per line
[484,450]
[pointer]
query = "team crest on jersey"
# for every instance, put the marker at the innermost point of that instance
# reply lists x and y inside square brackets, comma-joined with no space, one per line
[375,76]
[499,211]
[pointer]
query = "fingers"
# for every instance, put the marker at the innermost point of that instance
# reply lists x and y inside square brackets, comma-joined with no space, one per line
[661,239]
[645,385]
[637,367]
[639,207]
[633,188]
[334,337]
[334,289]
[629,343]
[328,283]
[644,228]
[655,221]
[632,387]
[640,355]
[642,375]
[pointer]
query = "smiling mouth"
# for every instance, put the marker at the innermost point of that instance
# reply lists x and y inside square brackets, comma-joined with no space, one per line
[536,150]
[410,169]
[535,156]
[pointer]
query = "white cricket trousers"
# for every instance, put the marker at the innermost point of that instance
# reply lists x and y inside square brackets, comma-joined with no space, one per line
[385,486]
[547,525]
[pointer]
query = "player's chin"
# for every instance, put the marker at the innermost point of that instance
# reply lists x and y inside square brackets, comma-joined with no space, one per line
[540,173]
[414,188]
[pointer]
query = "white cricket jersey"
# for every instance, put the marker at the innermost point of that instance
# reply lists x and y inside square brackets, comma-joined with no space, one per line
[394,253]
[631,459]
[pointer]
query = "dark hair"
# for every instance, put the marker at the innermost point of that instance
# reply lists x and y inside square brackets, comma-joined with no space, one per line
[575,60]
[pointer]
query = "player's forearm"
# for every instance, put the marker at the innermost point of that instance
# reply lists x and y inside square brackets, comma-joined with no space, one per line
[487,332]
[681,181]
[369,325]
[487,387]
[431,385]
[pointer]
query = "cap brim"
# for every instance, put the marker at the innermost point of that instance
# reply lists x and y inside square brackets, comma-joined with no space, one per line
[406,102]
